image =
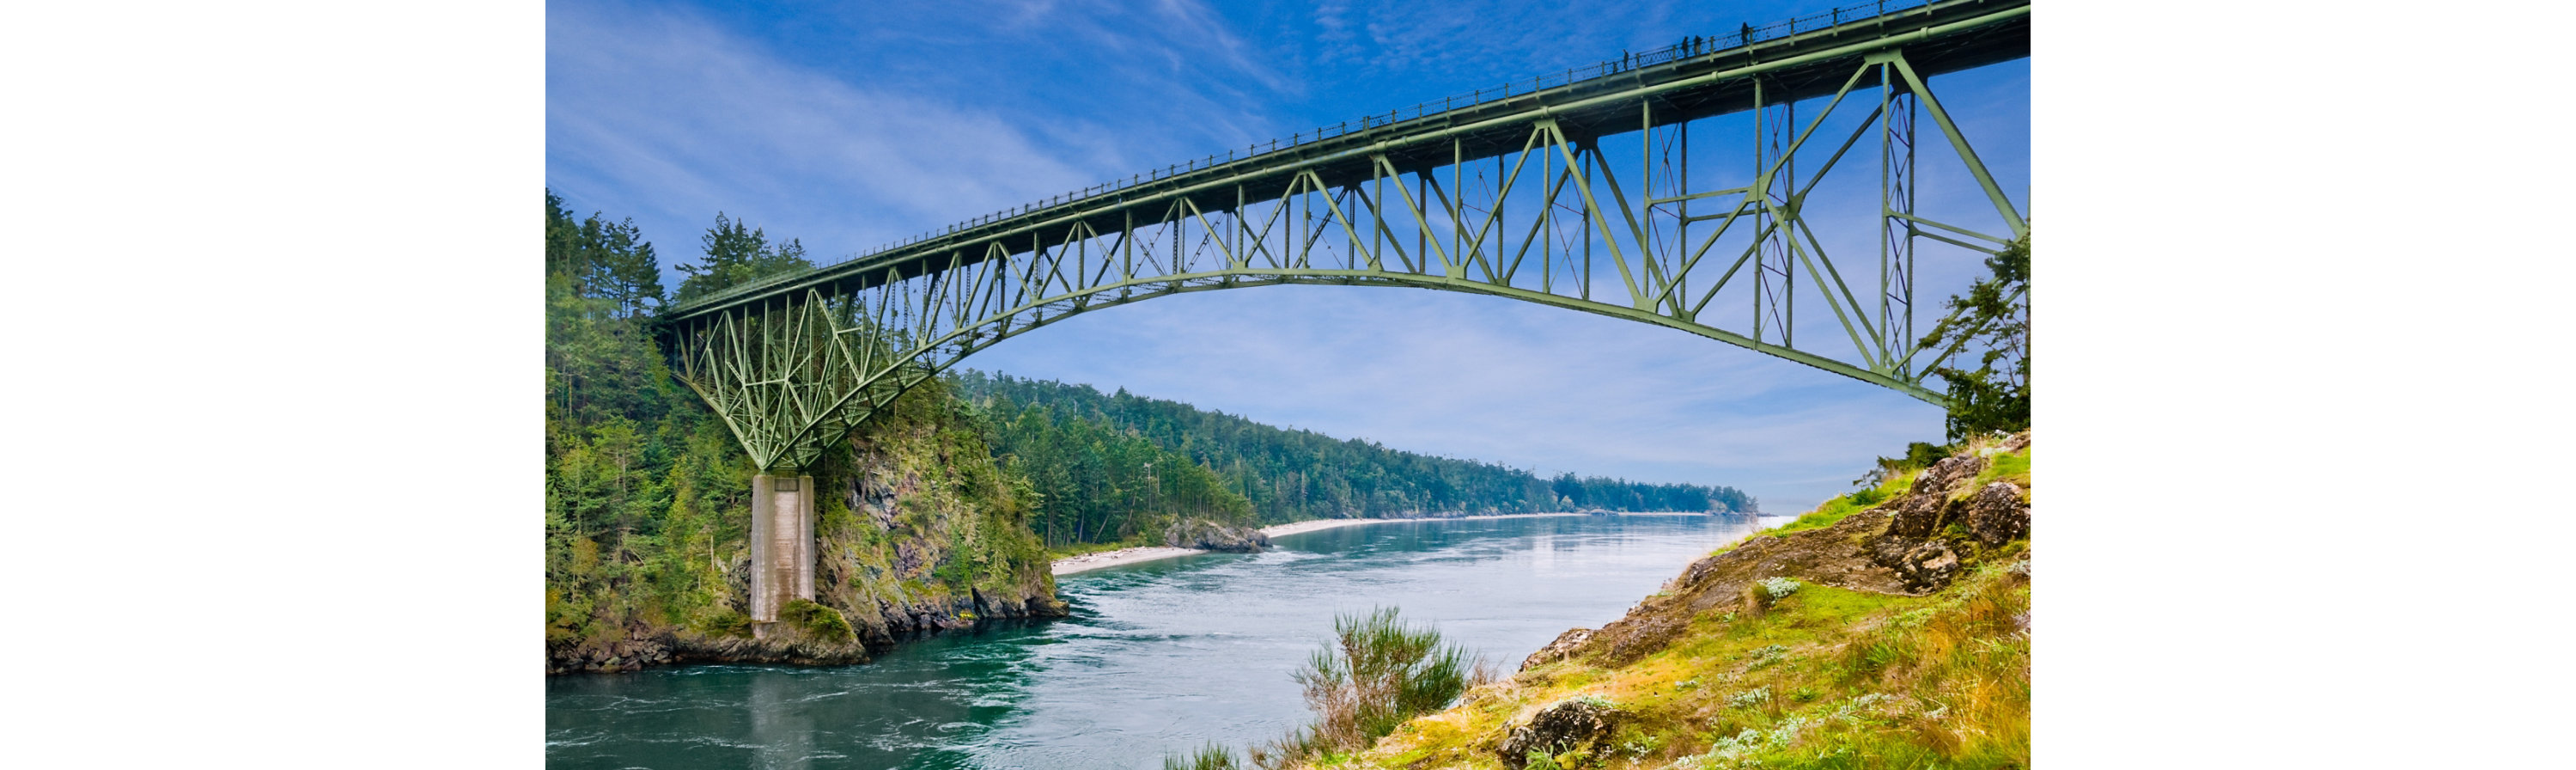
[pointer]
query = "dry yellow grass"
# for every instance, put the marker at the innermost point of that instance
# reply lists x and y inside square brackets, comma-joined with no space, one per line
[1820,678]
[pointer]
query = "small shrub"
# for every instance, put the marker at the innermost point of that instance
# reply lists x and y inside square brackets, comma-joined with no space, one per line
[1749,698]
[1778,588]
[1641,746]
[1377,674]
[729,623]
[1803,694]
[1765,655]
[1858,707]
[818,621]
[1208,757]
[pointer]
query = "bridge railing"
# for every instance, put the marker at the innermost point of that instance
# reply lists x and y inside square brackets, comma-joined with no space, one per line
[1688,48]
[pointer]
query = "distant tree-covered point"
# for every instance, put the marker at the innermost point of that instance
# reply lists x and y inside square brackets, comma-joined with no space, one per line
[1280,475]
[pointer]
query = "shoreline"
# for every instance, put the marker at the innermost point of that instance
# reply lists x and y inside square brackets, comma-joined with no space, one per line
[1124,556]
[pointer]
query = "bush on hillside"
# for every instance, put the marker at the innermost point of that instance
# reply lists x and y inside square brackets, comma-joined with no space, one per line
[1991,323]
[1377,674]
[1209,757]
[817,621]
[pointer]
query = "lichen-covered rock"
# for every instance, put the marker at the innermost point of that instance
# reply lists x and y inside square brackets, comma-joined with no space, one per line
[1918,516]
[1562,727]
[1927,505]
[1209,535]
[1938,479]
[1557,650]
[1928,566]
[1997,514]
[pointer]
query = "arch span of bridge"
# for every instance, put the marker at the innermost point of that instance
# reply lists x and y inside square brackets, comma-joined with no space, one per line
[793,363]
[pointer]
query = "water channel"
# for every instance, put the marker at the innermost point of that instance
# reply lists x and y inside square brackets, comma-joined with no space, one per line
[1157,658]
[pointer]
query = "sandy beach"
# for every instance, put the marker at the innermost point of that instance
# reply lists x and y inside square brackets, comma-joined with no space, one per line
[1093,561]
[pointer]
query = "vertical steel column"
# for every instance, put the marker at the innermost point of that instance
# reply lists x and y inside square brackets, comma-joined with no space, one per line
[1896,231]
[1586,178]
[1681,231]
[1774,273]
[1547,220]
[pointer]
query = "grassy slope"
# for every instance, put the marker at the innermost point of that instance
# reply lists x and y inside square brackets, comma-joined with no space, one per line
[1824,678]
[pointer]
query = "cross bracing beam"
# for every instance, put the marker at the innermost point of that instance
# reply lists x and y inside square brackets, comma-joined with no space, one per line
[1518,197]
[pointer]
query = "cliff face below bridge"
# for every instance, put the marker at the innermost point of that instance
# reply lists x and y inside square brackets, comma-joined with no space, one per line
[917,530]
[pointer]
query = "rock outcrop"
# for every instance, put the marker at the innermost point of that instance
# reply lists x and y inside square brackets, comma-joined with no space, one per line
[1904,546]
[1208,535]
[1927,506]
[1564,645]
[902,547]
[1997,514]
[1561,727]
[913,560]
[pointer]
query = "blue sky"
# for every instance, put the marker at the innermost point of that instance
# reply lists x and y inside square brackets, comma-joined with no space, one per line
[2224,293]
[852,125]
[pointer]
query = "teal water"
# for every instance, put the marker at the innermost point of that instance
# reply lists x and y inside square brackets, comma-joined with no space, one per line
[1157,658]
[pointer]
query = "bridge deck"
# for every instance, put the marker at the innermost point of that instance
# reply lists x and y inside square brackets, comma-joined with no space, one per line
[1683,83]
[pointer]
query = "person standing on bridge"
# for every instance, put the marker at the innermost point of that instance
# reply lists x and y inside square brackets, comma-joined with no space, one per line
[1747,33]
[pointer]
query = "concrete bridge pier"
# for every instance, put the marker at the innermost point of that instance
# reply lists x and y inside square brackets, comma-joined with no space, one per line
[782,545]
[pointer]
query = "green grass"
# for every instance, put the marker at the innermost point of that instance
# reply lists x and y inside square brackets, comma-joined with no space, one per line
[1835,510]
[818,621]
[2013,467]
[1850,680]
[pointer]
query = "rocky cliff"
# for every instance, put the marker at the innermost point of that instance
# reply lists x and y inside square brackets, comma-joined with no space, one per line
[922,532]
[1213,536]
[1887,628]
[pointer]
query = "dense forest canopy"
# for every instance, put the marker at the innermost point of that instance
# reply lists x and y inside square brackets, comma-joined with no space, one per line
[642,481]
[736,254]
[1290,475]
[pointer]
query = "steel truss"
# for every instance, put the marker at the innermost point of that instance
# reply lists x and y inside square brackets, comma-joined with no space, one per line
[795,365]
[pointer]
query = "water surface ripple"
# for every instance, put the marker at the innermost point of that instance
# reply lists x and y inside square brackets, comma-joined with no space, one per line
[1157,658]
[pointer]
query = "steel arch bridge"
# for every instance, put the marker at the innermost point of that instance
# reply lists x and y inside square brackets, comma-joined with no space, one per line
[793,363]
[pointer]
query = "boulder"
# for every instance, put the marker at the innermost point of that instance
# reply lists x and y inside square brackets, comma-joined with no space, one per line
[1936,480]
[1927,506]
[1927,567]
[1997,514]
[1209,535]
[1564,726]
[1918,516]
[1558,650]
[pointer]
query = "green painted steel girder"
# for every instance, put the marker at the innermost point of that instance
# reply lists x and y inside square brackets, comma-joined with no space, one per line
[795,362]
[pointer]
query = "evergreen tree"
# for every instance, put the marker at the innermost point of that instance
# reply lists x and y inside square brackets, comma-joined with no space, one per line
[1285,475]
[1991,321]
[737,254]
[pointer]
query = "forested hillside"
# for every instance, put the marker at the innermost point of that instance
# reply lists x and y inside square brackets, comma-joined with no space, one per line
[1281,475]
[939,511]
[648,496]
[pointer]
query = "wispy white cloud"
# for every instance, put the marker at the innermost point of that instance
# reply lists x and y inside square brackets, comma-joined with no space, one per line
[668,111]
[876,121]
[1489,379]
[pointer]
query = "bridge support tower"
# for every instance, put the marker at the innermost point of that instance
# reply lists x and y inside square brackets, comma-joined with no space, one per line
[782,545]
